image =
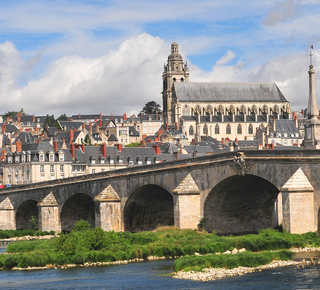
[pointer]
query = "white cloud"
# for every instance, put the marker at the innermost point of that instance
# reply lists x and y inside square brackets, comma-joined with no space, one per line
[121,81]
[226,58]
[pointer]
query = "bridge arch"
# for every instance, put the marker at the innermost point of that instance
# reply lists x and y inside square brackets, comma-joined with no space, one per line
[25,212]
[77,207]
[241,204]
[148,207]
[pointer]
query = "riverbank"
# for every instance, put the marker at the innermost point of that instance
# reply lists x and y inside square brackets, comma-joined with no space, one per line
[209,274]
[85,246]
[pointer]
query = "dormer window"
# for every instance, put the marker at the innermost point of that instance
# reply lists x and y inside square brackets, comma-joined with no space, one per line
[17,159]
[41,157]
[51,157]
[61,157]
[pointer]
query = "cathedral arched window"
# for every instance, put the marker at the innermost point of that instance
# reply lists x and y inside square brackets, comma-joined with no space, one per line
[174,80]
[182,80]
[228,129]
[250,129]
[217,129]
[191,132]
[239,129]
[205,130]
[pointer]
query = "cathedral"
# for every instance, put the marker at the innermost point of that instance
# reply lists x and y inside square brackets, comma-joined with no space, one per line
[218,109]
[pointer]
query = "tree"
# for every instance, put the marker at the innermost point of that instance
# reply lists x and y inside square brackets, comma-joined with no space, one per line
[49,120]
[13,113]
[63,117]
[151,108]
[87,140]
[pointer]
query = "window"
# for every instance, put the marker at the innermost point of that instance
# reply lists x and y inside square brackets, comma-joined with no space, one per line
[174,80]
[41,157]
[217,129]
[10,170]
[41,168]
[61,157]
[61,168]
[17,170]
[9,159]
[102,170]
[17,159]
[239,129]
[191,132]
[182,80]
[250,129]
[93,171]
[51,157]
[228,129]
[205,130]
[51,168]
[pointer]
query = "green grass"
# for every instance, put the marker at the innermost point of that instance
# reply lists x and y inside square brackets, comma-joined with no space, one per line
[245,259]
[95,245]
[6,234]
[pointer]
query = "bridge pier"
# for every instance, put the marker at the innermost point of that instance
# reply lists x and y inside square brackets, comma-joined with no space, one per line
[186,200]
[298,204]
[108,210]
[7,215]
[48,214]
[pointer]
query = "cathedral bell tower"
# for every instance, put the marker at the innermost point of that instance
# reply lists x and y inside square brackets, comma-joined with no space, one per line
[174,71]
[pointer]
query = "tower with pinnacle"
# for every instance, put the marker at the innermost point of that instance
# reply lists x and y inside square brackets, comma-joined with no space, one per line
[312,127]
[174,71]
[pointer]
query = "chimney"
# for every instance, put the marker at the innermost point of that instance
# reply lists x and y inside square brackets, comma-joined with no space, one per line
[302,112]
[111,117]
[79,115]
[100,123]
[156,114]
[47,126]
[55,145]
[296,121]
[167,126]
[83,127]
[18,146]
[72,150]
[124,117]
[3,128]
[222,140]
[157,149]
[71,119]
[33,118]
[149,141]
[236,141]
[71,136]
[119,147]
[36,129]
[293,115]
[100,115]
[176,123]
[3,155]
[103,150]
[19,117]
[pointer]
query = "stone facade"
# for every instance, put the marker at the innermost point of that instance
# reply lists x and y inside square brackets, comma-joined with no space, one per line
[236,191]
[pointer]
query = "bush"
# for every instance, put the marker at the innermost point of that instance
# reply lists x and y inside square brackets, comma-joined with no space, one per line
[81,225]
[10,262]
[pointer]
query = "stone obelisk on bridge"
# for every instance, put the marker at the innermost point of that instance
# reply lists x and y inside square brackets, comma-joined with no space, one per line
[312,126]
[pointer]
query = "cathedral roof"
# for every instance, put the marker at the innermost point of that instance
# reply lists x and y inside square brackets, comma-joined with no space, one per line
[225,92]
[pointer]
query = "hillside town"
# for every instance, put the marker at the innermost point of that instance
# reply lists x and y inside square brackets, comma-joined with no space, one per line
[198,119]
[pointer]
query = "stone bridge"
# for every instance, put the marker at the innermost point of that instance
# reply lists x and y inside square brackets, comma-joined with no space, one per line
[236,192]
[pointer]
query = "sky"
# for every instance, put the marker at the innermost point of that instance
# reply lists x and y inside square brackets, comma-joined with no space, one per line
[80,56]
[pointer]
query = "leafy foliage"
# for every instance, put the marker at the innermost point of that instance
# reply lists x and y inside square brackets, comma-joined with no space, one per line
[151,108]
[13,113]
[49,120]
[81,225]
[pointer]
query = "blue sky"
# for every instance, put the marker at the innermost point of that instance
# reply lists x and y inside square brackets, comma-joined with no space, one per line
[90,56]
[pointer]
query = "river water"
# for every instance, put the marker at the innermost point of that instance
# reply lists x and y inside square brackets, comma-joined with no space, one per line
[155,275]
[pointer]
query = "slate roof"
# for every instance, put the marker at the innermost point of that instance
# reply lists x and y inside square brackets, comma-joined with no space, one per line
[67,125]
[25,138]
[286,126]
[227,92]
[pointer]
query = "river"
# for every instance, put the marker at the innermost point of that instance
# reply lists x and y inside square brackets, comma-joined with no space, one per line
[155,275]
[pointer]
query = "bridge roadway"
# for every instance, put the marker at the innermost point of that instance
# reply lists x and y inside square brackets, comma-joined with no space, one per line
[236,192]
